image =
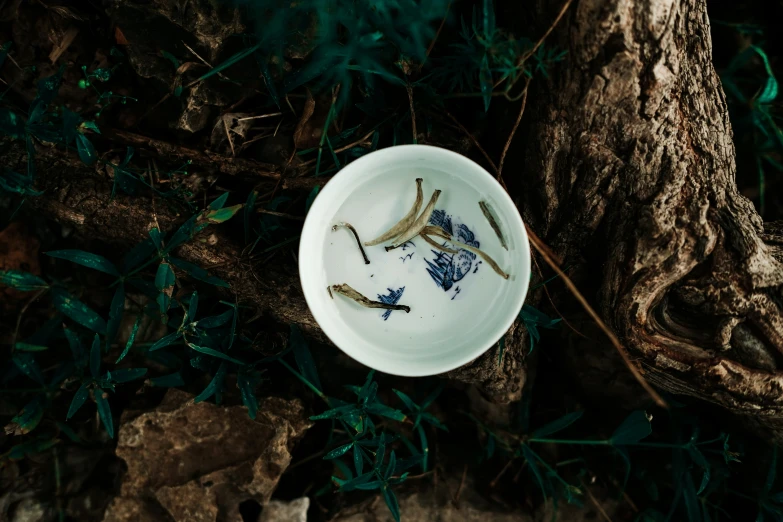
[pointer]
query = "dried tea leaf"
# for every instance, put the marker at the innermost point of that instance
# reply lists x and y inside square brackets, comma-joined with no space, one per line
[356,235]
[491,262]
[350,293]
[490,215]
[435,230]
[420,222]
[437,245]
[403,224]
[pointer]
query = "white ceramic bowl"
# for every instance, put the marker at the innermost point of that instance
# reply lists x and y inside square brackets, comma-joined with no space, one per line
[459,306]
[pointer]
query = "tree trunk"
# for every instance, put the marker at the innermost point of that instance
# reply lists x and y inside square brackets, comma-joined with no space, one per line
[629,170]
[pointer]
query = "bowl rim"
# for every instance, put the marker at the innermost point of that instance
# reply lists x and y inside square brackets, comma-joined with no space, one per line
[307,249]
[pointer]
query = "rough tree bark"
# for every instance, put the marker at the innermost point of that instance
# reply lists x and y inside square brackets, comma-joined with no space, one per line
[631,159]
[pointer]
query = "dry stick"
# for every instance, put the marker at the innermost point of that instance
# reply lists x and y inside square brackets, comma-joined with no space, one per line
[552,302]
[502,471]
[542,249]
[261,116]
[595,502]
[228,135]
[344,148]
[279,214]
[437,34]
[350,293]
[461,485]
[413,114]
[525,57]
[355,235]
[514,130]
[473,139]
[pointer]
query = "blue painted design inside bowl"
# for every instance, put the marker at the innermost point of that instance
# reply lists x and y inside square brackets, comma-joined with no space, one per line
[446,269]
[392,298]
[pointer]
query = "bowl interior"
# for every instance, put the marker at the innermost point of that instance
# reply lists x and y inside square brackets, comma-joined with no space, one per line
[459,306]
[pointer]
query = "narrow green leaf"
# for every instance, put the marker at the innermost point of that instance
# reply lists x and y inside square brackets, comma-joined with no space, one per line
[77,349]
[79,398]
[633,429]
[368,486]
[196,272]
[80,257]
[352,484]
[214,386]
[131,338]
[164,341]
[78,311]
[311,198]
[532,464]
[485,78]
[115,315]
[245,385]
[29,418]
[170,57]
[222,215]
[384,411]
[215,353]
[138,254]
[412,406]
[85,149]
[22,280]
[172,380]
[231,61]
[391,502]
[425,449]
[390,466]
[126,374]
[27,364]
[344,469]
[304,359]
[489,20]
[339,452]
[164,282]
[193,306]
[557,425]
[249,212]
[701,461]
[216,321]
[64,428]
[95,357]
[104,411]
[219,202]
[24,347]
[358,460]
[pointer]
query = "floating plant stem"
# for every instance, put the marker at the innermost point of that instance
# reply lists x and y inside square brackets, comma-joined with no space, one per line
[420,222]
[491,262]
[403,224]
[350,293]
[356,235]
[489,214]
[437,245]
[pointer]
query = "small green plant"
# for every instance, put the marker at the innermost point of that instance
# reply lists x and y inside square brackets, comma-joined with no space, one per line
[752,90]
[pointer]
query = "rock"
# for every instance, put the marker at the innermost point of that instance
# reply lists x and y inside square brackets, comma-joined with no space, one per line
[422,504]
[125,509]
[32,510]
[200,461]
[279,511]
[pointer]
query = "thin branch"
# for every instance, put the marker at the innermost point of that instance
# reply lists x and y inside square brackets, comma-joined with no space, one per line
[473,139]
[437,34]
[514,130]
[543,250]
[413,114]
[279,214]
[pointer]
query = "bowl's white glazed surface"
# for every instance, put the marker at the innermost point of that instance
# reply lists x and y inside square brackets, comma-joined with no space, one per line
[459,306]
